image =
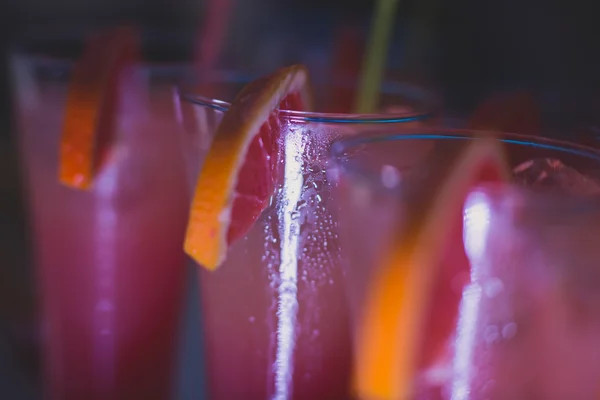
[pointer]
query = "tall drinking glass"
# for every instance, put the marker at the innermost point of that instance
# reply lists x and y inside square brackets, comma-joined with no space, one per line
[514,306]
[274,314]
[109,261]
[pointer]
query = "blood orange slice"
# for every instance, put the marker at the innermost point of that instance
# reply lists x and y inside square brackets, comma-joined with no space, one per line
[92,104]
[396,325]
[515,112]
[240,169]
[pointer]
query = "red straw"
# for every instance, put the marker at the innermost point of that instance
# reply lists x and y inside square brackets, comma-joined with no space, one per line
[212,34]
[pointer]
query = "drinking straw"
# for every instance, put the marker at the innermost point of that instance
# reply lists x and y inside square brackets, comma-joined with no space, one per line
[346,67]
[212,34]
[210,41]
[375,58]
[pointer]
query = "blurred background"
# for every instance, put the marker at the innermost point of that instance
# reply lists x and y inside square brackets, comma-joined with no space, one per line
[465,49]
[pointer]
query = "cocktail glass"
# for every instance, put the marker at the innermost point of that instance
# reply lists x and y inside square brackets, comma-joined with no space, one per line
[274,314]
[109,262]
[513,308]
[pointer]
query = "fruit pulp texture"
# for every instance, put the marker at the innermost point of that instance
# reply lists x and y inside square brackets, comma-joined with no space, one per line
[110,264]
[274,314]
[525,334]
[536,322]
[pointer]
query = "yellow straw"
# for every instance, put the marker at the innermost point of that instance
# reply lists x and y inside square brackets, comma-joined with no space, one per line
[374,62]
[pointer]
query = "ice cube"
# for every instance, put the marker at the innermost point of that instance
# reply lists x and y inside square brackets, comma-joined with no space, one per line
[553,175]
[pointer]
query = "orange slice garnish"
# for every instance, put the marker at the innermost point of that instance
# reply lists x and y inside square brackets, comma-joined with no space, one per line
[515,112]
[396,329]
[92,105]
[241,168]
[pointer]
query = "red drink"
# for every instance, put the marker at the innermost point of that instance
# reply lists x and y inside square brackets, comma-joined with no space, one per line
[110,265]
[275,314]
[512,307]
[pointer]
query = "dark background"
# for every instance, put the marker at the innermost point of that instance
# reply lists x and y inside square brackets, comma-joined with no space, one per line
[477,46]
[480,45]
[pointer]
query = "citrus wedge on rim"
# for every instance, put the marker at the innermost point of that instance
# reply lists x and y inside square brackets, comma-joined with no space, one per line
[395,329]
[241,168]
[92,104]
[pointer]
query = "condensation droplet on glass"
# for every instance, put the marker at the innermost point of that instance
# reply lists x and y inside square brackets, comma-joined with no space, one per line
[491,334]
[509,330]
[390,176]
[493,287]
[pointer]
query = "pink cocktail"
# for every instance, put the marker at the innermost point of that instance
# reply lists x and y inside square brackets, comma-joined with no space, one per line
[513,311]
[109,260]
[275,314]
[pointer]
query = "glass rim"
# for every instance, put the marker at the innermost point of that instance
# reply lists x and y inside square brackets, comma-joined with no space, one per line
[427,101]
[541,200]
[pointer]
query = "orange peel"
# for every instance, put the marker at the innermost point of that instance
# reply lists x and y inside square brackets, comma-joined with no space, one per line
[240,170]
[92,105]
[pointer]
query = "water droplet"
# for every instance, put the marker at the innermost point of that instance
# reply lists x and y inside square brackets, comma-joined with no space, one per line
[312,168]
[493,287]
[509,330]
[390,176]
[491,334]
[251,319]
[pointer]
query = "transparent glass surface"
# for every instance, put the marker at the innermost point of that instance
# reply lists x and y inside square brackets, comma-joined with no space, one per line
[109,262]
[514,307]
[275,315]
